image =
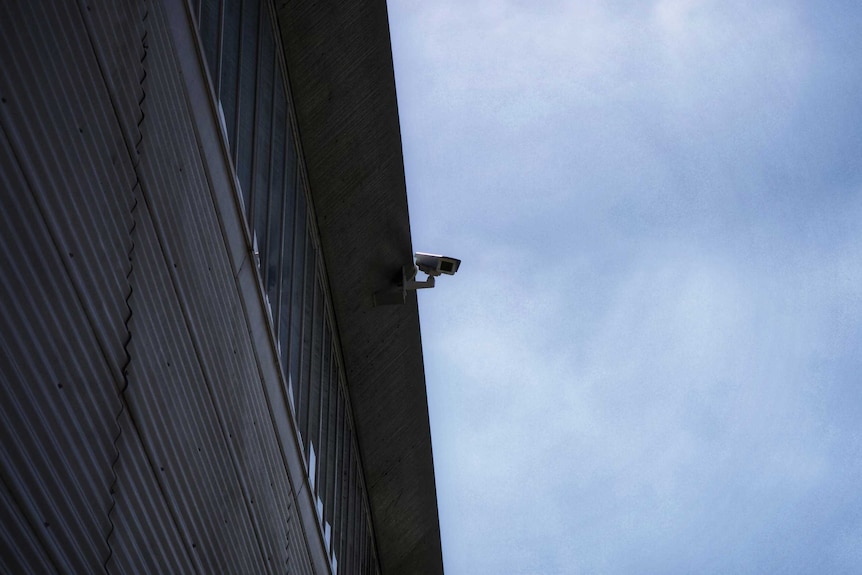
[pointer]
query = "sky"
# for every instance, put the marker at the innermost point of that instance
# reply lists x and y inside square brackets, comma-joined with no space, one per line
[649,361]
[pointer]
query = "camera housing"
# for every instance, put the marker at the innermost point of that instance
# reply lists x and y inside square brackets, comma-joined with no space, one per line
[434,264]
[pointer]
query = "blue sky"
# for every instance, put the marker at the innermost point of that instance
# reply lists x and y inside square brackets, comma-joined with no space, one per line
[650,359]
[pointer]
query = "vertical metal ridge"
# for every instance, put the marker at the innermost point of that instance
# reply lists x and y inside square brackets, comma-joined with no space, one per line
[124,369]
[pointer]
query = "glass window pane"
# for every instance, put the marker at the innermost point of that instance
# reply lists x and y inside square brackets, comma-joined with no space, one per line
[315,359]
[350,516]
[355,511]
[275,219]
[331,421]
[228,85]
[263,139]
[363,538]
[325,359]
[285,313]
[307,329]
[247,97]
[344,475]
[210,27]
[338,460]
[298,306]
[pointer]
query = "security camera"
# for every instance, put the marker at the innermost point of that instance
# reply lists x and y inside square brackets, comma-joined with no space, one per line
[434,265]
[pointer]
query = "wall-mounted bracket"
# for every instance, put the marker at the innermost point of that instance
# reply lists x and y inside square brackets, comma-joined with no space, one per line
[430,264]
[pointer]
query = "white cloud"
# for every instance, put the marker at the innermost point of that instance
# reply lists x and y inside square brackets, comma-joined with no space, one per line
[647,361]
[516,66]
[682,419]
[574,104]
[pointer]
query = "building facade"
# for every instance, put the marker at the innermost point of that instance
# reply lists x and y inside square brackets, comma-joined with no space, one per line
[199,200]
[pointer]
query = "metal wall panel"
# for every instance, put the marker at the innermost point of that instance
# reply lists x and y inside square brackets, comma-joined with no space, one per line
[146,537]
[117,31]
[61,121]
[165,459]
[63,245]
[173,408]
[22,551]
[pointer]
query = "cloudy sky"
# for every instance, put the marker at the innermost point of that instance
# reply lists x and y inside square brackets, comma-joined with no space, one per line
[650,360]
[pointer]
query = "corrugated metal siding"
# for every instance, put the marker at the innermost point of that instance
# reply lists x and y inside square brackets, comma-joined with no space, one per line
[171,404]
[117,31]
[22,552]
[187,475]
[146,538]
[55,95]
[63,284]
[201,272]
[47,372]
